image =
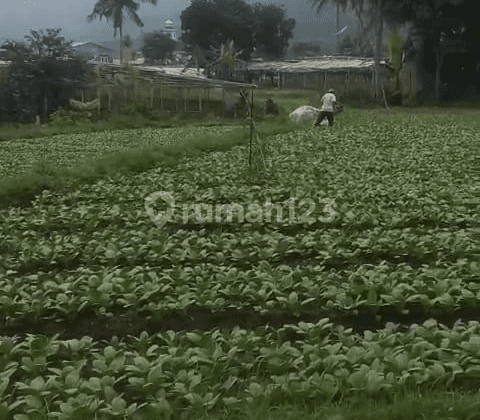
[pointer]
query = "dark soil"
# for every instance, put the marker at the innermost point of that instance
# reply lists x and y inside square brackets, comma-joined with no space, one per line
[123,322]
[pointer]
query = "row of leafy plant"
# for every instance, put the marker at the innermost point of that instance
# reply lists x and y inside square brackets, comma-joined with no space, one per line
[65,150]
[192,374]
[401,232]
[154,292]
[42,249]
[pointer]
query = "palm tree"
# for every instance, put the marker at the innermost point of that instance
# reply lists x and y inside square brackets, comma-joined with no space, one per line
[128,45]
[359,6]
[113,9]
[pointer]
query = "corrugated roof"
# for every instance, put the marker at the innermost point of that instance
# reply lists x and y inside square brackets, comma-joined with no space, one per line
[78,44]
[156,75]
[315,64]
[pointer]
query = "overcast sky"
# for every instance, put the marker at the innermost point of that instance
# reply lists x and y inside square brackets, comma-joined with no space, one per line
[18,17]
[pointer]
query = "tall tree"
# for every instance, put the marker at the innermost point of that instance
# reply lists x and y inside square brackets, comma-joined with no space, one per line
[210,23]
[433,23]
[157,45]
[358,43]
[43,74]
[346,45]
[306,49]
[127,41]
[48,44]
[127,45]
[273,31]
[364,9]
[378,43]
[395,50]
[114,10]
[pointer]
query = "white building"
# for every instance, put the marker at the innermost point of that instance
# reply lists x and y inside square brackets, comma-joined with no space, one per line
[170,30]
[93,51]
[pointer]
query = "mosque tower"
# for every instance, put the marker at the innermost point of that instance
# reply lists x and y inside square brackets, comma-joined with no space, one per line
[170,30]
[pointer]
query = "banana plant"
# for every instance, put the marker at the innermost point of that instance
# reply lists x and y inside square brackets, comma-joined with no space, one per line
[227,60]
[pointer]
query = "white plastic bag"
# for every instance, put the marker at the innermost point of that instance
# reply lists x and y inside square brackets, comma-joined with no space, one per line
[304,114]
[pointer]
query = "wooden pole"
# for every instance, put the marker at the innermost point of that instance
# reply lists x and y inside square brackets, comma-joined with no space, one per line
[251,133]
[152,93]
[161,98]
[372,89]
[411,85]
[385,98]
[99,100]
[224,103]
[348,80]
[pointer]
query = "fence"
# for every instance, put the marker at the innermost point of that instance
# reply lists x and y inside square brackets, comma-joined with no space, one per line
[159,99]
[155,91]
[347,83]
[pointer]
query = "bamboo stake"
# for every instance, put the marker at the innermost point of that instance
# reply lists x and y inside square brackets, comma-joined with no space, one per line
[385,98]
[99,100]
[348,79]
[161,98]
[251,134]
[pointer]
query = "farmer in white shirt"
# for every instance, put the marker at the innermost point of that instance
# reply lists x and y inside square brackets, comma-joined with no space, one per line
[329,101]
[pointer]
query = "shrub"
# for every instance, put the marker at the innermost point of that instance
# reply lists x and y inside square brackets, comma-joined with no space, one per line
[62,117]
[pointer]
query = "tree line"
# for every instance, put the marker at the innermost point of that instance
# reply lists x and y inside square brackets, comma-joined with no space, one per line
[442,36]
[42,74]
[209,26]
[263,29]
[44,71]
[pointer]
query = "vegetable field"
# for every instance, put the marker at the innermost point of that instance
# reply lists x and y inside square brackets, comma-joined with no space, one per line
[68,149]
[363,280]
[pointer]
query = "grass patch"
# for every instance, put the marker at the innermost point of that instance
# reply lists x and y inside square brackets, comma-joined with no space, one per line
[288,100]
[432,406]
[22,188]
[115,122]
